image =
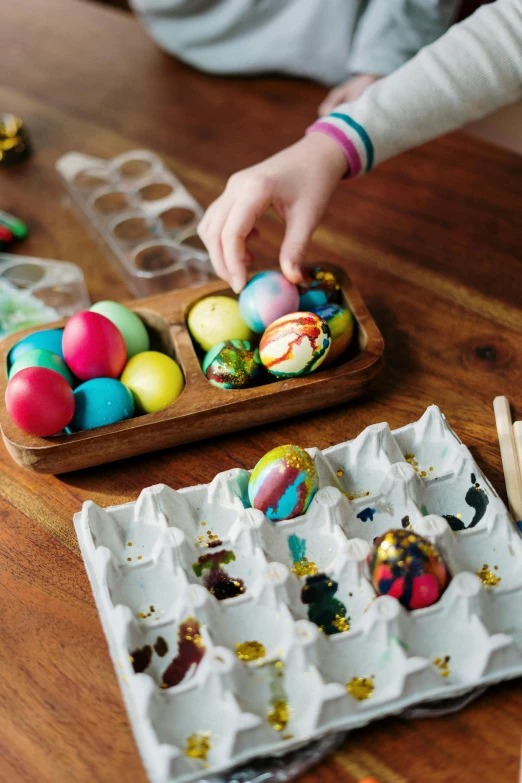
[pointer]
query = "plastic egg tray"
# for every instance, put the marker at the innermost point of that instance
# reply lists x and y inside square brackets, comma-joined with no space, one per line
[211,681]
[144,214]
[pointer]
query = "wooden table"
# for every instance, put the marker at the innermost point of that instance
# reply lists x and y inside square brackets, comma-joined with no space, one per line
[432,241]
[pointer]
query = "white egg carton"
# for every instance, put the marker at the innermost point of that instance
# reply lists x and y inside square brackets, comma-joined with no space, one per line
[224,711]
[133,202]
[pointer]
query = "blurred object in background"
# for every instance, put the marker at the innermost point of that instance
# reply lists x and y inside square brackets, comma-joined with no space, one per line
[15,145]
[34,291]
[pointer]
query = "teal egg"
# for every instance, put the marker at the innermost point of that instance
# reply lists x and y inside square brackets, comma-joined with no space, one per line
[39,357]
[100,401]
[48,339]
[130,325]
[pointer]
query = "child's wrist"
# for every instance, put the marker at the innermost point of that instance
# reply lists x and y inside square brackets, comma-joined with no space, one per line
[335,139]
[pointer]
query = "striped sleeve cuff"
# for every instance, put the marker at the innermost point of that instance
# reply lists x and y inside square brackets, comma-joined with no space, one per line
[351,137]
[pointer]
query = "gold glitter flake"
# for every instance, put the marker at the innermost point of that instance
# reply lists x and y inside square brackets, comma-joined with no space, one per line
[250,651]
[198,745]
[279,715]
[487,577]
[340,473]
[360,688]
[304,567]
[354,495]
[341,623]
[130,543]
[442,664]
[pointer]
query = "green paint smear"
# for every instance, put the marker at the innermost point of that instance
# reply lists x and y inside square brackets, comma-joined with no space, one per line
[424,510]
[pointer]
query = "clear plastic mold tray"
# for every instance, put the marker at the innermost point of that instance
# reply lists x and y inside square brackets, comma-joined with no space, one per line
[145,216]
[212,681]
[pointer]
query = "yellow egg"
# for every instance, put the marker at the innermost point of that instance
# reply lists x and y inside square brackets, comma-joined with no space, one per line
[217,319]
[154,379]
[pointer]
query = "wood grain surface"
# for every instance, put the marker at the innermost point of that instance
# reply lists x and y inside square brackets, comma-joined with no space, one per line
[432,241]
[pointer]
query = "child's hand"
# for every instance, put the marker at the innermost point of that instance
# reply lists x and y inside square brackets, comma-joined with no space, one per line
[347,91]
[297,182]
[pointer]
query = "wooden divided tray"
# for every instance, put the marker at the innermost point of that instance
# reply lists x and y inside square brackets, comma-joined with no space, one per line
[202,410]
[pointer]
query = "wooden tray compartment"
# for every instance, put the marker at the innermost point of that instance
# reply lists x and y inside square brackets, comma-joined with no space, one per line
[202,410]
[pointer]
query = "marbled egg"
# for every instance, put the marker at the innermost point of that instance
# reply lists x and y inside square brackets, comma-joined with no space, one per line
[283,483]
[295,344]
[267,297]
[409,568]
[100,401]
[319,287]
[233,364]
[216,319]
[341,323]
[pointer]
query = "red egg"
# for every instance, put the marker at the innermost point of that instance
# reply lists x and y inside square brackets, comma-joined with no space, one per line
[39,401]
[93,347]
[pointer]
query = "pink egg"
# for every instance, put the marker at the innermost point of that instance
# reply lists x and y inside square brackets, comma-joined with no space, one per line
[39,401]
[93,347]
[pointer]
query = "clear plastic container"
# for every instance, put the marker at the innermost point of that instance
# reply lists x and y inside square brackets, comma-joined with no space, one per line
[34,291]
[144,214]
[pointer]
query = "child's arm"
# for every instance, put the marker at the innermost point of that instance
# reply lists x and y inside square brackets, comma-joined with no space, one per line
[472,70]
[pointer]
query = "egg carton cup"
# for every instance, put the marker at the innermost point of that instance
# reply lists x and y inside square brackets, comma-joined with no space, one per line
[148,563]
[143,214]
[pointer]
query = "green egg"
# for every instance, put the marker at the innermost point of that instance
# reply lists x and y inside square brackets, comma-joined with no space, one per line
[130,325]
[39,357]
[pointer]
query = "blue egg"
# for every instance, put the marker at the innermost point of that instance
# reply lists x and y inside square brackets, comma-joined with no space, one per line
[49,340]
[100,401]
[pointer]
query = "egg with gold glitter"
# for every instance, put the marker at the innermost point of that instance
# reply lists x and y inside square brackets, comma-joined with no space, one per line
[318,287]
[283,483]
[295,344]
[341,323]
[233,364]
[408,567]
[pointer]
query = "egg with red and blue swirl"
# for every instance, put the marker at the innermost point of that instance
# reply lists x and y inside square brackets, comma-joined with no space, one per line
[408,567]
[267,297]
[233,364]
[283,483]
[341,323]
[318,287]
[295,345]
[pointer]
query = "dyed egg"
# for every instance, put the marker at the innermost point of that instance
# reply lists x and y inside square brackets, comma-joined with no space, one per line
[409,568]
[39,401]
[319,287]
[233,365]
[101,401]
[130,325]
[340,321]
[49,340]
[216,319]
[93,347]
[154,379]
[267,297]
[295,344]
[39,357]
[283,483]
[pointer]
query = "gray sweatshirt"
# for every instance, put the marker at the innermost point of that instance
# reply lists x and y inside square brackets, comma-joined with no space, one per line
[325,40]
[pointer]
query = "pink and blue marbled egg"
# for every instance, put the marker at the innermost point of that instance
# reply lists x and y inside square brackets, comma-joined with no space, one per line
[283,483]
[267,297]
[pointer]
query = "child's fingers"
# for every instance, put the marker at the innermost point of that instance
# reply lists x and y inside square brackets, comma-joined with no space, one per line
[238,227]
[333,99]
[300,226]
[209,230]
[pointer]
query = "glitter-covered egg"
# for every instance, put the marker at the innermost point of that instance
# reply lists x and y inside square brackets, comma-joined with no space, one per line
[283,483]
[319,287]
[267,297]
[233,364]
[409,568]
[295,344]
[340,321]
